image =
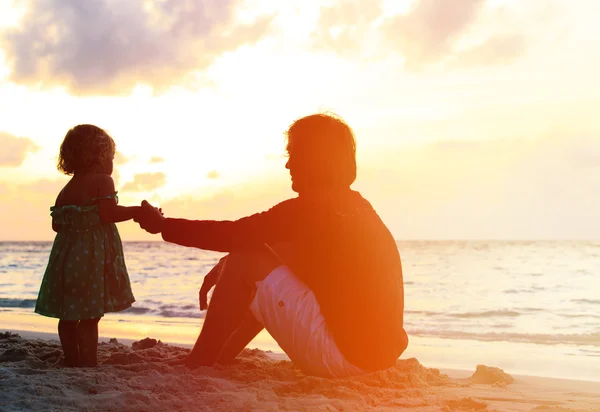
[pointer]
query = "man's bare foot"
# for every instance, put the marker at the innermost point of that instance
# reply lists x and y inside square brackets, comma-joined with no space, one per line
[194,360]
[185,360]
[178,360]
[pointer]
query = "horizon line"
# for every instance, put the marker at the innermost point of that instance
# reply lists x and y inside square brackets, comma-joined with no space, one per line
[397,240]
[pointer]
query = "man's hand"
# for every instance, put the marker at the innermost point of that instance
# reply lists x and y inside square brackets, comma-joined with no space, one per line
[150,218]
[210,280]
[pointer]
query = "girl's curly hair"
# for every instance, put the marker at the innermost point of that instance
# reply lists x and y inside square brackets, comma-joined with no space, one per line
[85,148]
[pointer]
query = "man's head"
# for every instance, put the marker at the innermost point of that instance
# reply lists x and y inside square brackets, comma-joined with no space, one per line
[322,153]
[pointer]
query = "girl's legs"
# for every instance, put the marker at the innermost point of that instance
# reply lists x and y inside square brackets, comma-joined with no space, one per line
[87,338]
[67,332]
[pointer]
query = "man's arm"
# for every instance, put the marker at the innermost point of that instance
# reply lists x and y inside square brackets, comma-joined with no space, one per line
[224,236]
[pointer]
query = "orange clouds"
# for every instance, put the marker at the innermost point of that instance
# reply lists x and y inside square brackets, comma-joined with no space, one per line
[505,188]
[145,182]
[25,209]
[120,158]
[14,149]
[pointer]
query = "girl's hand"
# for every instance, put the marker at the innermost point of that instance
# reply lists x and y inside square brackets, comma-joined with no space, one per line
[150,218]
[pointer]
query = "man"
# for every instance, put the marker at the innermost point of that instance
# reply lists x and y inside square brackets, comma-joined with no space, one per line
[321,272]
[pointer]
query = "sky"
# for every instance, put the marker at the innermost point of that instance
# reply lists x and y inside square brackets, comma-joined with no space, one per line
[474,119]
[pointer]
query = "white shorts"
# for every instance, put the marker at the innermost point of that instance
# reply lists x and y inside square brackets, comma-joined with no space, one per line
[290,312]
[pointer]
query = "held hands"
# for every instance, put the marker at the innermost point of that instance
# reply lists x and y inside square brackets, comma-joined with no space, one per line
[150,218]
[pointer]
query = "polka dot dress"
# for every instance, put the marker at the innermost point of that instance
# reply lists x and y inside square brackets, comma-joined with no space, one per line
[86,275]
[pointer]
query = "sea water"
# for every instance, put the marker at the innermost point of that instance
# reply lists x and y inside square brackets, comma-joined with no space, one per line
[531,307]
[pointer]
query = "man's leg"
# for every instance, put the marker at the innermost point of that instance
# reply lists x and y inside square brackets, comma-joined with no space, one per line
[227,326]
[247,331]
[279,254]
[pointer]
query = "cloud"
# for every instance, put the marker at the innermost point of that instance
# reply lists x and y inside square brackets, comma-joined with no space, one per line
[343,27]
[496,50]
[585,154]
[502,188]
[231,203]
[116,177]
[25,209]
[145,182]
[430,28]
[108,46]
[14,149]
[213,174]
[43,187]
[120,158]
[429,32]
[157,159]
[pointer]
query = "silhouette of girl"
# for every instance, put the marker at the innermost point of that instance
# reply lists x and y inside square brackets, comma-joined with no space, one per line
[86,275]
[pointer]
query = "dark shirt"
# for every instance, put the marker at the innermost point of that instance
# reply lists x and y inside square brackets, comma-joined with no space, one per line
[344,253]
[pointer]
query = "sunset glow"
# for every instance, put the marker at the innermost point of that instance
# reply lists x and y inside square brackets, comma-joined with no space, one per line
[474,119]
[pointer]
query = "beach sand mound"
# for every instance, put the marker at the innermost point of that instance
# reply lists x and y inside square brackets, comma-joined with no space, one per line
[490,375]
[140,378]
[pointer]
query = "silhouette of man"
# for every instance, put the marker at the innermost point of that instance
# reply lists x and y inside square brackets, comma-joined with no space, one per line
[321,271]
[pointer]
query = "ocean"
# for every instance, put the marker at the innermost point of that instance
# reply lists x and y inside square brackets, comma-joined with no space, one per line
[530,307]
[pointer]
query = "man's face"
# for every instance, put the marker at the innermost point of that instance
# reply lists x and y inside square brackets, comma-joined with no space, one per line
[297,170]
[291,167]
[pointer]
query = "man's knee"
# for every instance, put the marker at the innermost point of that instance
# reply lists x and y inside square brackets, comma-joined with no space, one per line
[251,265]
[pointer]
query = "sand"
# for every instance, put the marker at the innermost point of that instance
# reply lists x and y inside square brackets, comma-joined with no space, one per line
[138,377]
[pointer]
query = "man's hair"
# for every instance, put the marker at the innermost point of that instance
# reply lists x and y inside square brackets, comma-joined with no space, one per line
[328,147]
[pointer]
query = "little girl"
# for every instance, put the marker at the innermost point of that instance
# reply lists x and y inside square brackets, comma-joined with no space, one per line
[86,274]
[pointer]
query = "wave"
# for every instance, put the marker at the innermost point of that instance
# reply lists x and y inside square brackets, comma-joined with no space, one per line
[584,339]
[17,303]
[466,315]
[167,311]
[530,309]
[180,314]
[580,315]
[423,312]
[532,289]
[486,314]
[587,301]
[137,310]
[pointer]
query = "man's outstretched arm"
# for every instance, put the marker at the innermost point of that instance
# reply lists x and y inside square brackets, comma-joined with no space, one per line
[222,236]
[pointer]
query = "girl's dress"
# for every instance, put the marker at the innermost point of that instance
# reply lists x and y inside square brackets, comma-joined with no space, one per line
[86,275]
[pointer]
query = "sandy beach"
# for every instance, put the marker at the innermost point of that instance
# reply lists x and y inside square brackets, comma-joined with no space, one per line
[136,376]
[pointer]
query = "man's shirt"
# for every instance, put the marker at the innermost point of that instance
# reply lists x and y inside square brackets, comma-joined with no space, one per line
[343,252]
